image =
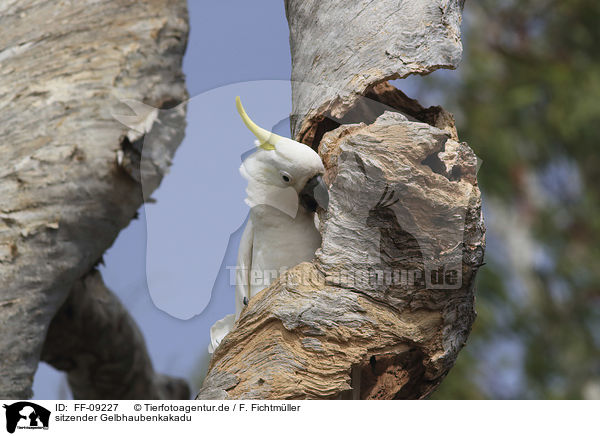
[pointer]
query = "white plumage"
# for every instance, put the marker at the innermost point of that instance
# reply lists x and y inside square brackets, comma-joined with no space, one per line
[284,189]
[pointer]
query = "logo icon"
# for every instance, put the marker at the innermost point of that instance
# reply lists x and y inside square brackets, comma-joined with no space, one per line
[26,415]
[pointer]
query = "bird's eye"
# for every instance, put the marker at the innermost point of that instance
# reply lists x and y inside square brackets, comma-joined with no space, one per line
[285,177]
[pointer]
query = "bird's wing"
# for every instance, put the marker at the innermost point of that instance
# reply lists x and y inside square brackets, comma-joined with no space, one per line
[244,264]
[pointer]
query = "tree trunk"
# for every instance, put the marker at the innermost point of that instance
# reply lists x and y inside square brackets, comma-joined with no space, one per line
[70,173]
[386,305]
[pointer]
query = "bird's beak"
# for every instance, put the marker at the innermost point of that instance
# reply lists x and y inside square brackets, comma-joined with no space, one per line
[314,194]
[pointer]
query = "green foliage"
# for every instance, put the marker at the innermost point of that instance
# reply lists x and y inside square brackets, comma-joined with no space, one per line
[527,101]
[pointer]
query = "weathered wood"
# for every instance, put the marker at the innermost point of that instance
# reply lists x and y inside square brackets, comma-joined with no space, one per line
[64,67]
[357,305]
[386,305]
[341,49]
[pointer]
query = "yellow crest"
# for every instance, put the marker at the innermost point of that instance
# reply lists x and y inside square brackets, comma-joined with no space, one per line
[266,139]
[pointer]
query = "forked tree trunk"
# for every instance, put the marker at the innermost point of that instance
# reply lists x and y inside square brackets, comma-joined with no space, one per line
[380,313]
[70,181]
[386,305]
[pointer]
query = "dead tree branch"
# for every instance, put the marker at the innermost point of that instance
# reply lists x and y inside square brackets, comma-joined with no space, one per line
[97,343]
[385,307]
[65,191]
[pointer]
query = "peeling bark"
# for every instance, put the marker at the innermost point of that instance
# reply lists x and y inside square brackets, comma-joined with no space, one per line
[388,302]
[64,67]
[342,49]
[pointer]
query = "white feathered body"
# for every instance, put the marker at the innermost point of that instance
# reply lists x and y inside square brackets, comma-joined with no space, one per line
[272,243]
[280,232]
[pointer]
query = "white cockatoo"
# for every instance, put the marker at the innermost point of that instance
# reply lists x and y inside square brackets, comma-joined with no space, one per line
[285,187]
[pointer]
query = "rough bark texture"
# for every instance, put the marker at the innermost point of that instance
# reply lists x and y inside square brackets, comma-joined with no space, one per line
[107,358]
[341,49]
[387,304]
[65,191]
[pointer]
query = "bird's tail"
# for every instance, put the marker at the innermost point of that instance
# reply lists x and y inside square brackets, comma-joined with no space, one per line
[219,330]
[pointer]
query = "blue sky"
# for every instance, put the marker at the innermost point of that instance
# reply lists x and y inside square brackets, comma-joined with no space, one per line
[200,202]
[187,238]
